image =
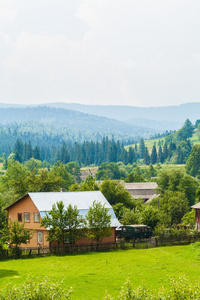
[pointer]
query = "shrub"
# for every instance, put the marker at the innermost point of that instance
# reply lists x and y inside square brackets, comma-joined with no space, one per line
[36,290]
[180,289]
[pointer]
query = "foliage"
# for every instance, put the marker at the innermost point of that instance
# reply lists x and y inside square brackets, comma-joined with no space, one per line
[131,217]
[173,206]
[60,170]
[189,219]
[180,289]
[150,216]
[89,184]
[74,169]
[110,171]
[193,162]
[98,222]
[74,223]
[175,180]
[16,234]
[56,223]
[115,192]
[63,223]
[33,289]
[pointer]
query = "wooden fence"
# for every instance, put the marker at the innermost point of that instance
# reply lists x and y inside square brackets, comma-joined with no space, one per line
[119,244]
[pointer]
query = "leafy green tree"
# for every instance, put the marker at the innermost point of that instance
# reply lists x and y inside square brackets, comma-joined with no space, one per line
[193,162]
[98,221]
[173,206]
[59,169]
[119,210]
[138,175]
[131,217]
[176,180]
[89,184]
[189,219]
[74,223]
[15,178]
[130,177]
[56,223]
[3,216]
[16,234]
[74,169]
[33,165]
[150,216]
[45,181]
[115,192]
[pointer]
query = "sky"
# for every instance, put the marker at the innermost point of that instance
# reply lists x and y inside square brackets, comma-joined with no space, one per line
[109,52]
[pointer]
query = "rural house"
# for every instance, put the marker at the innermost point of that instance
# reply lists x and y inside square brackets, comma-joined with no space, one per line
[144,190]
[32,207]
[197,215]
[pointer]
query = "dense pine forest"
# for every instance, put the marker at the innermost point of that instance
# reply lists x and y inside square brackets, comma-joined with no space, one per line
[169,147]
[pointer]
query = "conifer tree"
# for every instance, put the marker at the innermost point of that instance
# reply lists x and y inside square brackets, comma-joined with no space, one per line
[153,155]
[141,148]
[146,156]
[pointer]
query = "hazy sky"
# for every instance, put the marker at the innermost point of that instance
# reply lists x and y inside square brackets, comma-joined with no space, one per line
[130,52]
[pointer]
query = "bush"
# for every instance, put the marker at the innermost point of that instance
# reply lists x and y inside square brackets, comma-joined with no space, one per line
[180,289]
[36,290]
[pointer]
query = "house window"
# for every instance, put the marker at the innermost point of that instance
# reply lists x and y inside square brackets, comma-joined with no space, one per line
[19,216]
[27,217]
[36,217]
[40,237]
[66,238]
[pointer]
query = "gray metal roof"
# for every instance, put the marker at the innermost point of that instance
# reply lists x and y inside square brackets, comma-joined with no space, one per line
[196,205]
[83,200]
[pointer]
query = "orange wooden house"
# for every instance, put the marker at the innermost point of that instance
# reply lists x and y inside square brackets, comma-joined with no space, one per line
[32,207]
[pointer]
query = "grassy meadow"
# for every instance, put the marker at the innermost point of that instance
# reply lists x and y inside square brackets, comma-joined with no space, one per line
[92,274]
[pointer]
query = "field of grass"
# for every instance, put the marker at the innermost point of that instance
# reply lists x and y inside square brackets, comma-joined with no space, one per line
[92,274]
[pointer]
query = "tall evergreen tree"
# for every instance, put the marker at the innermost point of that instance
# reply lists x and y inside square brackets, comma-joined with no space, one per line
[165,151]
[146,156]
[141,148]
[160,155]
[153,155]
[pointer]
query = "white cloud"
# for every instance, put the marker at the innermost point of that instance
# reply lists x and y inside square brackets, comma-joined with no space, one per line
[97,51]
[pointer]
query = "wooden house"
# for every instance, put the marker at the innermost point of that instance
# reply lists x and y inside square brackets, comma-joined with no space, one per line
[32,207]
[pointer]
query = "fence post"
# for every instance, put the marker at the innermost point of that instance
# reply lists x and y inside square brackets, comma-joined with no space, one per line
[134,243]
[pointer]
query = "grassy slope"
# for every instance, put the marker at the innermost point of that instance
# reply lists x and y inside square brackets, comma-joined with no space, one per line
[91,275]
[149,143]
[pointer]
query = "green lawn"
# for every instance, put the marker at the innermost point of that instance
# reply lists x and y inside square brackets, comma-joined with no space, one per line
[91,275]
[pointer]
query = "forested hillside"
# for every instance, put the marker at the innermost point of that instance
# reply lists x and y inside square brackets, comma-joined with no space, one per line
[173,148]
[71,120]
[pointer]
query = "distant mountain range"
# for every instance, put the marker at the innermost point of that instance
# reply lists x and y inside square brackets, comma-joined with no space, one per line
[162,118]
[72,120]
[156,118]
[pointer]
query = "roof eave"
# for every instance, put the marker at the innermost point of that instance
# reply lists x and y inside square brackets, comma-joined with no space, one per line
[16,202]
